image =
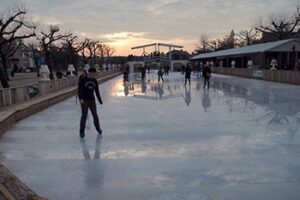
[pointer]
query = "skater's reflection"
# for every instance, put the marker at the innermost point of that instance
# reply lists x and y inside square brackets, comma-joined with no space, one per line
[160,90]
[187,95]
[93,169]
[206,100]
[144,86]
[126,89]
[198,85]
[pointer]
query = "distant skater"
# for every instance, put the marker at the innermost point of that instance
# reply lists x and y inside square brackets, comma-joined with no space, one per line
[148,68]
[143,71]
[87,86]
[160,74]
[125,74]
[167,69]
[182,69]
[188,71]
[206,73]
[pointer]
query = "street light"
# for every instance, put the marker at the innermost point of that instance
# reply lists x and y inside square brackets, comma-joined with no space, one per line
[250,64]
[44,71]
[233,64]
[274,64]
[71,69]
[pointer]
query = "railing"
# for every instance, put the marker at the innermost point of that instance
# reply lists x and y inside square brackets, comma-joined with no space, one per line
[14,95]
[291,77]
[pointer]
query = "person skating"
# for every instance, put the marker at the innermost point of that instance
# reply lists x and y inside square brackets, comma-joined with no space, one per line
[148,68]
[143,71]
[188,71]
[125,75]
[168,70]
[160,73]
[206,73]
[87,86]
[182,69]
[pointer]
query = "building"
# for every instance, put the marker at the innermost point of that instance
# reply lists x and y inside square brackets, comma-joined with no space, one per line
[20,60]
[284,54]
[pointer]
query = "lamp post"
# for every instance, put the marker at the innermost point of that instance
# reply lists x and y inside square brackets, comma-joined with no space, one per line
[221,63]
[274,64]
[233,64]
[250,64]
[71,70]
[44,71]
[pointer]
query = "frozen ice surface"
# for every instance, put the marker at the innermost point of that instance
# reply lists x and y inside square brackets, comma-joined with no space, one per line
[164,141]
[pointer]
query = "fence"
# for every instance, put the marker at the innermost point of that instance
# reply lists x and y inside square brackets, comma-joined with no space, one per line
[14,95]
[290,77]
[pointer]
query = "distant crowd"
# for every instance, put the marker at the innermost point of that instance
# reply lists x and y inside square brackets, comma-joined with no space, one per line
[164,71]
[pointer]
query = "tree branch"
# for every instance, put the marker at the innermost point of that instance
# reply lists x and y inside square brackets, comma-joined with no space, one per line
[4,26]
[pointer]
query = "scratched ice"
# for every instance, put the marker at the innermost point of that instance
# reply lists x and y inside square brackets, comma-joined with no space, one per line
[238,140]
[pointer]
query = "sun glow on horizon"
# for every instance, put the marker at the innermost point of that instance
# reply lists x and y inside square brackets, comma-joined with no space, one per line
[122,42]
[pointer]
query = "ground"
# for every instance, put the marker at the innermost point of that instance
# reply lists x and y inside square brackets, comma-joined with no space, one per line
[237,140]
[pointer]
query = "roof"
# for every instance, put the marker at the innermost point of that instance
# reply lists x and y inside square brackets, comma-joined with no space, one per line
[257,48]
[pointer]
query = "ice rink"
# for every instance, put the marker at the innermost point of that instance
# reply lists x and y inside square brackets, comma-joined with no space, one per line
[239,140]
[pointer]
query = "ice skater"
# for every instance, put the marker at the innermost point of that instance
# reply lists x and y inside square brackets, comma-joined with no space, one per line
[160,74]
[148,68]
[188,71]
[206,73]
[125,74]
[143,71]
[87,86]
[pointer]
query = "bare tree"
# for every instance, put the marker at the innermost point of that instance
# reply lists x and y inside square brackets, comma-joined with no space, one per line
[279,26]
[203,45]
[109,51]
[70,49]
[101,52]
[214,44]
[32,51]
[73,48]
[47,43]
[92,49]
[231,41]
[247,37]
[78,47]
[84,48]
[228,42]
[13,29]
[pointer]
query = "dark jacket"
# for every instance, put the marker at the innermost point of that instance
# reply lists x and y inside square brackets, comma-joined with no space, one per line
[206,72]
[188,72]
[86,88]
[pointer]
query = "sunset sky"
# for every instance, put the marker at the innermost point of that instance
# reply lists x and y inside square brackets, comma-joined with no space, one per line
[127,23]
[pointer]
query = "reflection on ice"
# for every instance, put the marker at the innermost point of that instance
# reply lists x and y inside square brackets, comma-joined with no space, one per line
[93,170]
[237,140]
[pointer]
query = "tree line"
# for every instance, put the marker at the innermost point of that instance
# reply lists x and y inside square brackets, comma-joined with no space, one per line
[46,45]
[273,28]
